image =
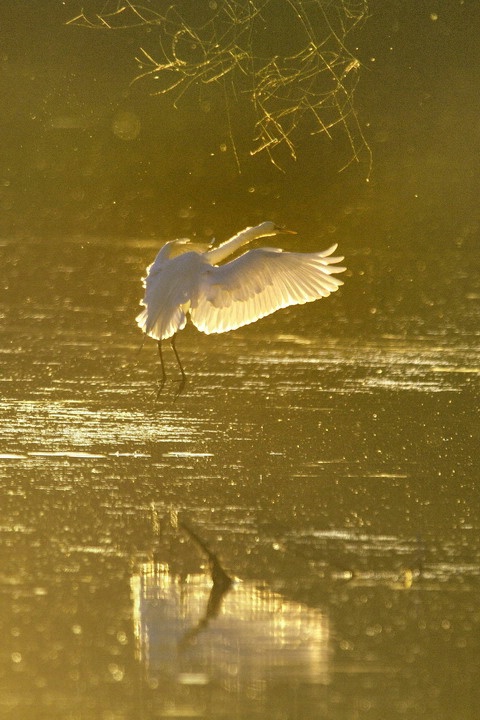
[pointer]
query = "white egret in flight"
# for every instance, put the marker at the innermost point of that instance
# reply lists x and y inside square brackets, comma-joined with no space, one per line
[186,279]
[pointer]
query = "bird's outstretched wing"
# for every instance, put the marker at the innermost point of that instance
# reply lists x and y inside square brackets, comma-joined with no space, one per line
[260,282]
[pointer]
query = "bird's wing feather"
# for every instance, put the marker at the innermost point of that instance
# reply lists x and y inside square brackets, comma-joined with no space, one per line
[260,282]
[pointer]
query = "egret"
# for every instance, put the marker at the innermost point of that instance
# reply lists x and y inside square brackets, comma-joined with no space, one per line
[186,279]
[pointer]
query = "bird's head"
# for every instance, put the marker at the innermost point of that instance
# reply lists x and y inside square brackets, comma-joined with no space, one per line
[268,228]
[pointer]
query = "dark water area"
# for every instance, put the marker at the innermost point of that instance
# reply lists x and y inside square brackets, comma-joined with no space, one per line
[295,534]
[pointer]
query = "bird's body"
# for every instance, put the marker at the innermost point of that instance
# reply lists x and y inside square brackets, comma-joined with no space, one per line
[186,280]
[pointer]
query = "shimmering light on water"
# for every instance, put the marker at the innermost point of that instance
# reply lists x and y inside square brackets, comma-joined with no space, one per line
[324,459]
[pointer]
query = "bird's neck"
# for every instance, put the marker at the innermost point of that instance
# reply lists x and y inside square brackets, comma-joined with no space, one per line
[227,248]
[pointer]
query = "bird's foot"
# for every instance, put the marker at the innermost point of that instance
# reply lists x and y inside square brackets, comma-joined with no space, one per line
[161,385]
[181,386]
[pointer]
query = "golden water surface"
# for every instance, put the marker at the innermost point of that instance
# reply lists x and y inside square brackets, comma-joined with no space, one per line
[294,535]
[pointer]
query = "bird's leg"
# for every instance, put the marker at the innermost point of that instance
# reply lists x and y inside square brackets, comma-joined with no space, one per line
[172,343]
[164,375]
[181,384]
[143,342]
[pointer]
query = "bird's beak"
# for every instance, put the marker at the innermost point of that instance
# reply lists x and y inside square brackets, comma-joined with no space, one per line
[285,230]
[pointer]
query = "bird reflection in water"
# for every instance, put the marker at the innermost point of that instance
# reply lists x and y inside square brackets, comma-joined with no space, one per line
[186,280]
[201,636]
